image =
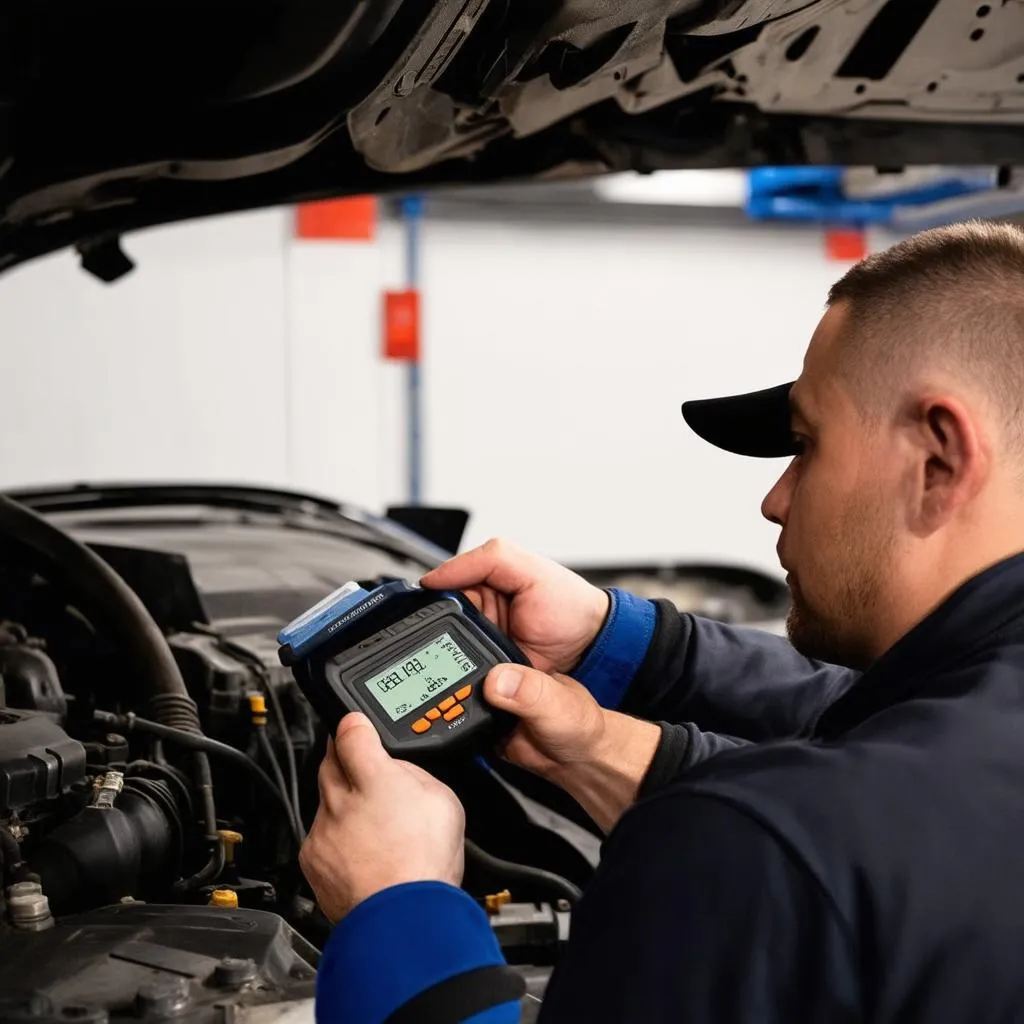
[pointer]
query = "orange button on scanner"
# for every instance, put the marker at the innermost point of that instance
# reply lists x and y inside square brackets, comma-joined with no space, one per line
[446,704]
[433,714]
[463,693]
[420,725]
[454,712]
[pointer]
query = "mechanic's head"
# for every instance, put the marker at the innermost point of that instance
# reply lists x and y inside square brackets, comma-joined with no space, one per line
[908,426]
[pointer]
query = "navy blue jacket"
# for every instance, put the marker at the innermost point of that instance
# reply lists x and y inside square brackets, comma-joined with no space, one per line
[861,860]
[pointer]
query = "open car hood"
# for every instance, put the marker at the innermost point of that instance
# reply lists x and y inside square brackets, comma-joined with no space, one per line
[115,116]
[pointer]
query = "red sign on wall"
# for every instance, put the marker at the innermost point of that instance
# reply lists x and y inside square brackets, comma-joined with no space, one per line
[846,245]
[402,325]
[352,218]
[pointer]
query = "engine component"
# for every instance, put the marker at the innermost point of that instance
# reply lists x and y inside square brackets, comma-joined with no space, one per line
[38,760]
[107,852]
[531,933]
[199,742]
[509,870]
[158,963]
[115,609]
[28,676]
[106,790]
[27,908]
[109,752]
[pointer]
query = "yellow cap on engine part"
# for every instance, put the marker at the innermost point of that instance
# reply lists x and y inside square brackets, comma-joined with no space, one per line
[258,707]
[224,898]
[494,902]
[230,840]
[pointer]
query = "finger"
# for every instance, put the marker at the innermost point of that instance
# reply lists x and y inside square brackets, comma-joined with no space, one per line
[504,613]
[359,750]
[496,563]
[532,695]
[490,604]
[331,781]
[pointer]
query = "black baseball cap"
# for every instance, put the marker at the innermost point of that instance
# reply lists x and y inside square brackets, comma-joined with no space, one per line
[755,424]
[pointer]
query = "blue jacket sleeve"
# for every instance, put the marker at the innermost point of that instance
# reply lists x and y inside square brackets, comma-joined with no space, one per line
[651,661]
[618,651]
[398,944]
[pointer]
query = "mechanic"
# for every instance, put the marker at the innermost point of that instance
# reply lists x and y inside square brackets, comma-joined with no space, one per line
[861,857]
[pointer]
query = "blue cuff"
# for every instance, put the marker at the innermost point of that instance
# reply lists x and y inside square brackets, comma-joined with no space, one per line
[399,943]
[616,655]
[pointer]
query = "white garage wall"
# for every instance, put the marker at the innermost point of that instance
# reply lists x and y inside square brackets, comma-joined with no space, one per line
[587,339]
[556,359]
[174,371]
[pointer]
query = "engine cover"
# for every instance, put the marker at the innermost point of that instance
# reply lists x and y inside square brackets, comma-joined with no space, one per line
[38,760]
[150,963]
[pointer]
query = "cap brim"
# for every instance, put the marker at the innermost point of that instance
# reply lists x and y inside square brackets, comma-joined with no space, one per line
[755,424]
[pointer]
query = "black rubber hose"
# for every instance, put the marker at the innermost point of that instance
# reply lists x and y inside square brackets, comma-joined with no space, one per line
[174,777]
[289,753]
[193,741]
[109,603]
[204,783]
[275,767]
[252,659]
[116,610]
[535,876]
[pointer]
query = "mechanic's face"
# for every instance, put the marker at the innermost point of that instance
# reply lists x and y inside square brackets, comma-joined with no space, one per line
[834,504]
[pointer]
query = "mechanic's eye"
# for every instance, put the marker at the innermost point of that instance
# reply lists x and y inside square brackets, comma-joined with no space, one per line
[800,444]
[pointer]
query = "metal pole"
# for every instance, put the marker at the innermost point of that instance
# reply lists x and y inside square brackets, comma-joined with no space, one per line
[412,210]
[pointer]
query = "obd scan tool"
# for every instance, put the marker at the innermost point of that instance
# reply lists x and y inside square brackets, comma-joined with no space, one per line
[412,660]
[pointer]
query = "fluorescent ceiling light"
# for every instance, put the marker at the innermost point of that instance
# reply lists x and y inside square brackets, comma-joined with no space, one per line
[675,188]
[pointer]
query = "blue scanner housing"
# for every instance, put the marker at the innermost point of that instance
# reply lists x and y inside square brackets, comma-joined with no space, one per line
[328,617]
[412,659]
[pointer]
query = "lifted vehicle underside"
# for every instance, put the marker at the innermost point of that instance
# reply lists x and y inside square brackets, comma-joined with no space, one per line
[211,111]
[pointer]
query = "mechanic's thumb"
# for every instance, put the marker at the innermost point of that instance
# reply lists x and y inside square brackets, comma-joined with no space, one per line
[360,751]
[527,693]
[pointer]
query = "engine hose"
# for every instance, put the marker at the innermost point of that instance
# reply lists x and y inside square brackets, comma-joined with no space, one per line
[179,711]
[275,767]
[289,753]
[108,602]
[536,876]
[199,742]
[116,610]
[252,659]
[174,777]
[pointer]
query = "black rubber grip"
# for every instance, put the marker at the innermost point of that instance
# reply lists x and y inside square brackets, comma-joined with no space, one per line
[455,999]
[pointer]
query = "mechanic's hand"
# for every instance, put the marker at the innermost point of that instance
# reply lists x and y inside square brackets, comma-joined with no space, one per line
[552,614]
[381,822]
[599,757]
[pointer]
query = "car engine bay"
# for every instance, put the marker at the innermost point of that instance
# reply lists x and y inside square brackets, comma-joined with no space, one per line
[155,785]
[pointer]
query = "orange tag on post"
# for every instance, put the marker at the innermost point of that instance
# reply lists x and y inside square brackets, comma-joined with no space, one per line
[846,245]
[402,325]
[354,218]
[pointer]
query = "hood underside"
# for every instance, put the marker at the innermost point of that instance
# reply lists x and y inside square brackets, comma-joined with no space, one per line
[115,116]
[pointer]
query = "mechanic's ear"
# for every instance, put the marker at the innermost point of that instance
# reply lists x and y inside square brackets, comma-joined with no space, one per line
[359,749]
[957,460]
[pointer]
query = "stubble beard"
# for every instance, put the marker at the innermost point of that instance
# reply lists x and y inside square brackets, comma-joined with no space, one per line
[840,634]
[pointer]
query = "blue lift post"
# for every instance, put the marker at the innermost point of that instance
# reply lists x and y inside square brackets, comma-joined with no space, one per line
[412,212]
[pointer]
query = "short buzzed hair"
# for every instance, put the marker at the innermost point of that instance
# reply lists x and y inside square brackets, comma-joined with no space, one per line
[951,298]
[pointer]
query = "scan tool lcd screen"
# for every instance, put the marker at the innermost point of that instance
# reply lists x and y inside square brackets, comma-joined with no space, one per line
[420,677]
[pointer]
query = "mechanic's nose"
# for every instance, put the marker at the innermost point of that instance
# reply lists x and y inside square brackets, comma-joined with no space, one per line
[775,507]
